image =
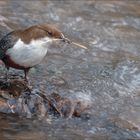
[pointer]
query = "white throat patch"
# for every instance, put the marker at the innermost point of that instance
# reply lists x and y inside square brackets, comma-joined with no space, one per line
[29,55]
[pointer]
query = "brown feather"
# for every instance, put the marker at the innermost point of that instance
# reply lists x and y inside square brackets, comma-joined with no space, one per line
[37,32]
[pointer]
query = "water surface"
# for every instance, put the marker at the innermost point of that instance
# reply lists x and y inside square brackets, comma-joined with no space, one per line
[108,72]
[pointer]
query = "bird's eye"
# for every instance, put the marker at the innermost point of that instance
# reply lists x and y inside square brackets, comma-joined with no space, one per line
[49,33]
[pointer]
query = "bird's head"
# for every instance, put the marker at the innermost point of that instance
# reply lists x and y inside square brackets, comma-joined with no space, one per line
[52,33]
[47,33]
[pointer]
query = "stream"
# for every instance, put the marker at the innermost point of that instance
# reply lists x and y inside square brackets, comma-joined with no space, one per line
[106,75]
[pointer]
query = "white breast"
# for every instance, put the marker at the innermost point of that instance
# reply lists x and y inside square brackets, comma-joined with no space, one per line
[28,55]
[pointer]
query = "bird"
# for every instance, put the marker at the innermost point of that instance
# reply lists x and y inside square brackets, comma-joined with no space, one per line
[25,48]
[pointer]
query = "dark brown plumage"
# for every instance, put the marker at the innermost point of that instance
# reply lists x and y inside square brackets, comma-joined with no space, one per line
[35,32]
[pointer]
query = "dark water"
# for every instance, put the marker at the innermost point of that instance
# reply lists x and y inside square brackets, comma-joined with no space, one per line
[107,75]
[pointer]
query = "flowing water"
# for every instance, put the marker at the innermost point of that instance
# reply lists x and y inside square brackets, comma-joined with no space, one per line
[107,75]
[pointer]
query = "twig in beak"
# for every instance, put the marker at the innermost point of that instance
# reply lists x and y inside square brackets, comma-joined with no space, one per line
[79,45]
[66,40]
[70,42]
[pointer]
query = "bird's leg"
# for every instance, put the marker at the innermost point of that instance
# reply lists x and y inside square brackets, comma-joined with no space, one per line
[26,75]
[29,87]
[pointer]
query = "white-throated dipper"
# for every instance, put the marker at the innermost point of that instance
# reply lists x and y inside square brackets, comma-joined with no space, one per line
[25,48]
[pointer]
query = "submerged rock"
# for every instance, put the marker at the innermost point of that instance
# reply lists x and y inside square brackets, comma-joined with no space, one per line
[16,97]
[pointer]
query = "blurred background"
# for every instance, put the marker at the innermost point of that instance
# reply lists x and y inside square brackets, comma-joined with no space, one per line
[108,73]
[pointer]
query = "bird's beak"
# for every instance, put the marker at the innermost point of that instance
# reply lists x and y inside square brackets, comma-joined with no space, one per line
[66,40]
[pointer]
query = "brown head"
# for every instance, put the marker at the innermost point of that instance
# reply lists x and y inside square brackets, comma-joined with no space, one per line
[53,33]
[41,31]
[57,35]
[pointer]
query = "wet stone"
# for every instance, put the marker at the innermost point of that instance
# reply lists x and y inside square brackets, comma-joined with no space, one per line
[16,97]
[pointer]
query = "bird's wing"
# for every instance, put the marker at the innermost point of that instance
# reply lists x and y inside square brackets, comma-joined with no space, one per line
[7,42]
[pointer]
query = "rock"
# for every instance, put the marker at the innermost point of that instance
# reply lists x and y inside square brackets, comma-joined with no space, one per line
[3,105]
[16,97]
[13,87]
